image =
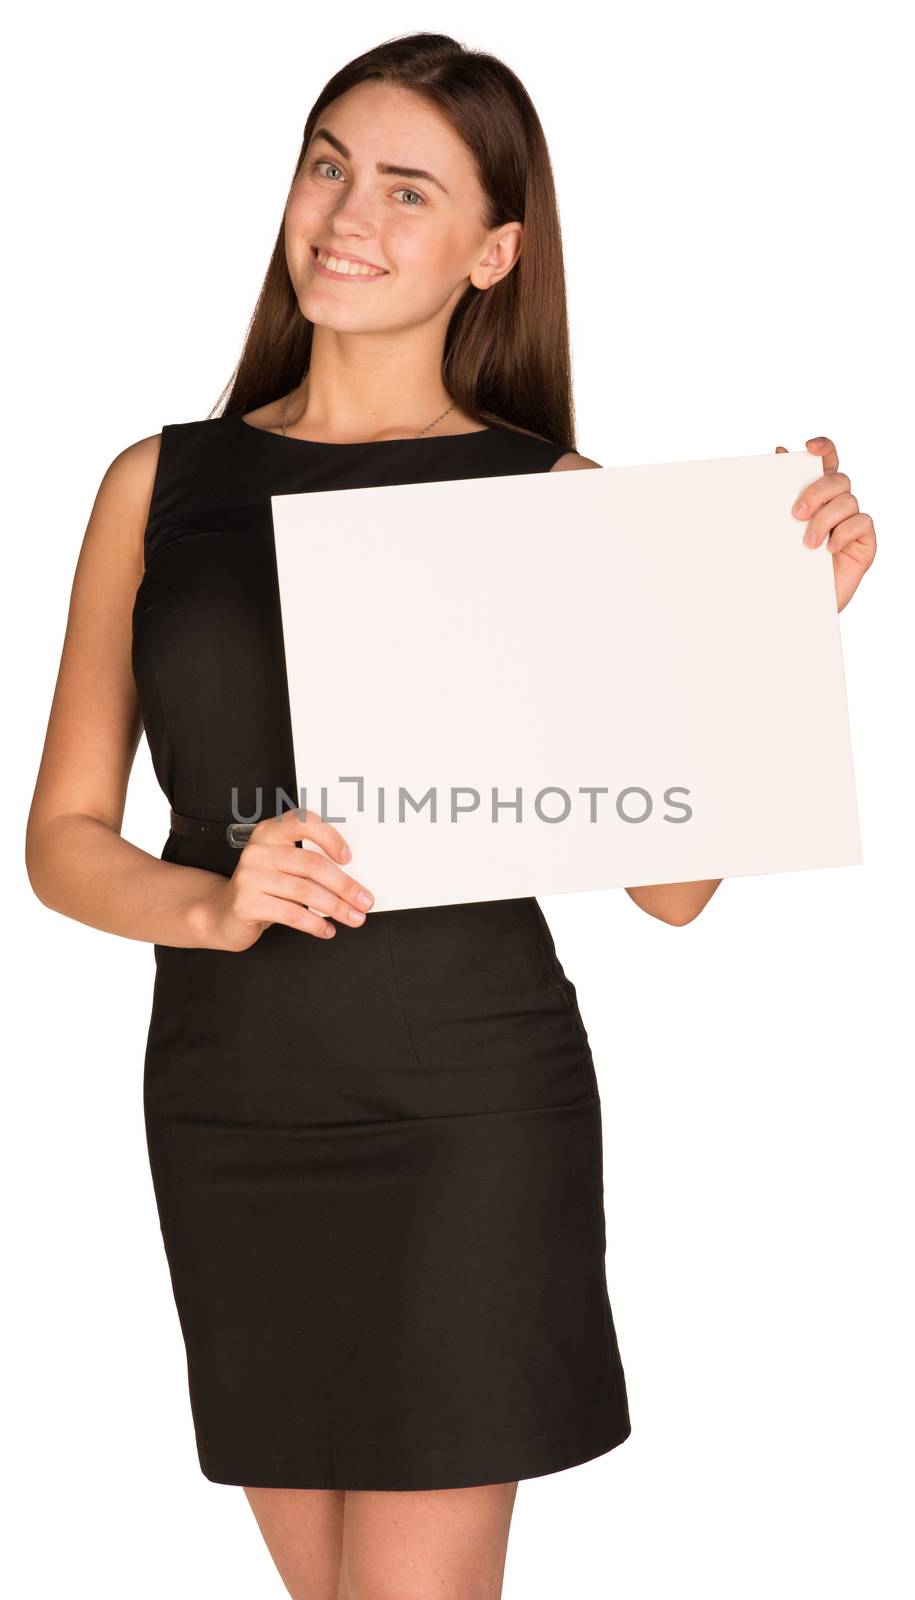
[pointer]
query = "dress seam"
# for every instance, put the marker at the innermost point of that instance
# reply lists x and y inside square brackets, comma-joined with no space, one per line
[403,1009]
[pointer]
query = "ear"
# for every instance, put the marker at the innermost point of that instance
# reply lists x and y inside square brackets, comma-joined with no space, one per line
[502,252]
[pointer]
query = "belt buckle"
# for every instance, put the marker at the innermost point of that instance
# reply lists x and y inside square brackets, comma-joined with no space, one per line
[238,834]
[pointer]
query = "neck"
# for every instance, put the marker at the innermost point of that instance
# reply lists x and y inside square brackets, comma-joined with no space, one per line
[359,386]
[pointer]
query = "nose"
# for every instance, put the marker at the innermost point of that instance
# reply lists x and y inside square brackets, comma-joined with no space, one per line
[352,214]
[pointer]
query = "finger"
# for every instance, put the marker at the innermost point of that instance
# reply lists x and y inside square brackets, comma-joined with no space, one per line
[306,863]
[856,529]
[299,823]
[828,517]
[819,493]
[259,906]
[821,446]
[298,917]
[309,892]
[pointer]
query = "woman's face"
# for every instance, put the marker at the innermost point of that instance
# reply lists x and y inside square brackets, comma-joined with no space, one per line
[426,236]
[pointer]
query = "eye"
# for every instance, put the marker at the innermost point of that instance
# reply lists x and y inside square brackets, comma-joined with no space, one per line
[414,192]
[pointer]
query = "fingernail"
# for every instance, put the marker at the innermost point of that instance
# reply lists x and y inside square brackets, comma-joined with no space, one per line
[364,898]
[810,537]
[800,509]
[344,852]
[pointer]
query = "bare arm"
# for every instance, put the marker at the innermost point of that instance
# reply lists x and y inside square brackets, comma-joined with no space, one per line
[75,857]
[676,903]
[77,861]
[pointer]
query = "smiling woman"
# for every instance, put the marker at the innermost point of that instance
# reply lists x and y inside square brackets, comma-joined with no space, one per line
[377,1166]
[389,177]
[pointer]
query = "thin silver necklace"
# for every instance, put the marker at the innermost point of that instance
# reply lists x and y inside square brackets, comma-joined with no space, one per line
[415,436]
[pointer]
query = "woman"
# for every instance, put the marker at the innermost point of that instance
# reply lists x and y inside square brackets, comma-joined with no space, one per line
[378,1168]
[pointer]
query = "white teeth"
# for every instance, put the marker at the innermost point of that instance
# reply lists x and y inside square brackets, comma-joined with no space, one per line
[347,269]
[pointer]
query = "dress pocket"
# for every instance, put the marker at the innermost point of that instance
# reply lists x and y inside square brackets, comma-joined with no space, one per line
[536,930]
[492,1021]
[480,958]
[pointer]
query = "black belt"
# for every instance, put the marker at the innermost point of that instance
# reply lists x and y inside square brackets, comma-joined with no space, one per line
[234,833]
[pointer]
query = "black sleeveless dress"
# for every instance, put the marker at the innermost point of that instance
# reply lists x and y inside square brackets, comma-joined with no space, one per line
[376,1159]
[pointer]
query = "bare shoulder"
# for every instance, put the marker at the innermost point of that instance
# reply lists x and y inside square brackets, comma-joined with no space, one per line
[572,461]
[133,470]
[123,499]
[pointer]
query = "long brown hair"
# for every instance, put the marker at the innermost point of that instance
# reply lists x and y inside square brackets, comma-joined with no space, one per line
[506,358]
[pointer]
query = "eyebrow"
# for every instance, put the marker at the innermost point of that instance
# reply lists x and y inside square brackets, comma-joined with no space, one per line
[381,166]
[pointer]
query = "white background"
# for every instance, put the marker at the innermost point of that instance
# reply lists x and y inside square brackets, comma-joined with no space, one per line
[732,184]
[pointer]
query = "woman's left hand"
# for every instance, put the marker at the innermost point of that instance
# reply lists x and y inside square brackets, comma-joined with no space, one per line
[831,512]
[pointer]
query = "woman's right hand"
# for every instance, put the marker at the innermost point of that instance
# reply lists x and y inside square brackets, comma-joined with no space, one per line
[275,881]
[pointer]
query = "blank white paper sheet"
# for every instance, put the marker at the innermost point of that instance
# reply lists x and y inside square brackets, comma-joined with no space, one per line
[564,681]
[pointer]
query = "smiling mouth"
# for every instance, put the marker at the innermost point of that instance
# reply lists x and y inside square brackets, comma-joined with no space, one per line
[331,266]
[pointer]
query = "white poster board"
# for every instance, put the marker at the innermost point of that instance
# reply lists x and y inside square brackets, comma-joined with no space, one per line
[564,681]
